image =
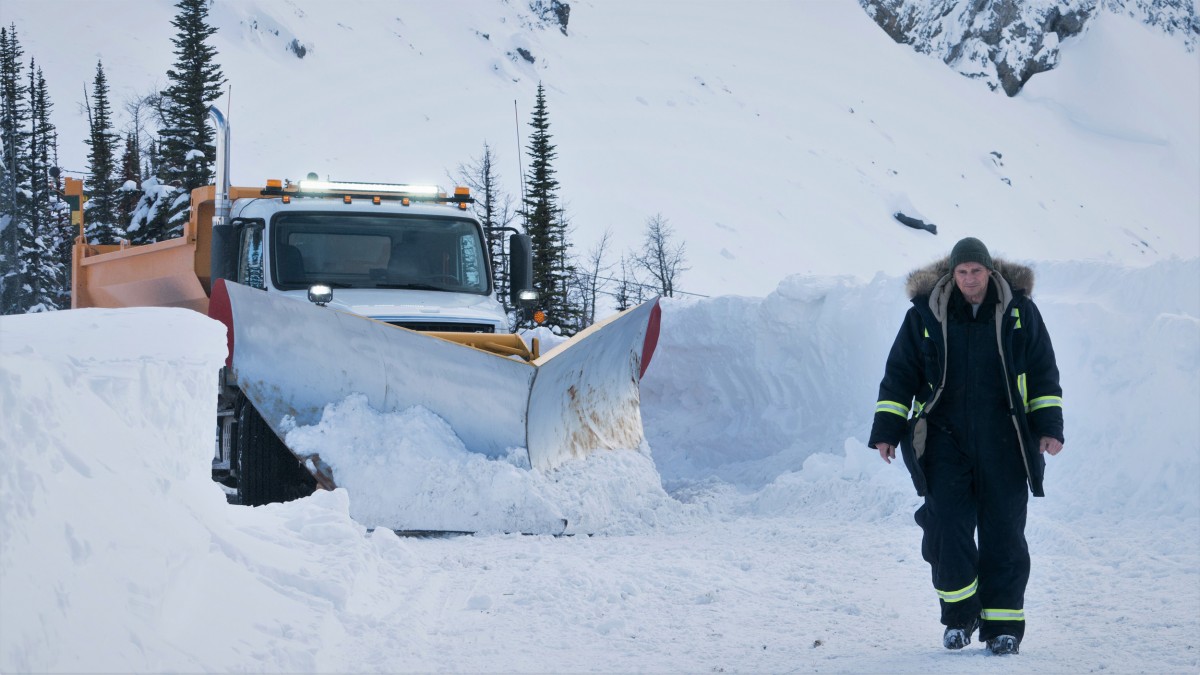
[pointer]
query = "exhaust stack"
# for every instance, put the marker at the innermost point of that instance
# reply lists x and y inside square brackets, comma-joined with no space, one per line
[222,263]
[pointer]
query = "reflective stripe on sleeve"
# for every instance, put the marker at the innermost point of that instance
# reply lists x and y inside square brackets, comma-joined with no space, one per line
[1045,402]
[892,407]
[1021,388]
[960,594]
[1003,615]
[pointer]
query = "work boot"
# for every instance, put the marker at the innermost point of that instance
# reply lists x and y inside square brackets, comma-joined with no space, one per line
[1003,644]
[957,637]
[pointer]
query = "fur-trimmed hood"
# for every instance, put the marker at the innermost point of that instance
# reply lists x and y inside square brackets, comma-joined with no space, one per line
[921,281]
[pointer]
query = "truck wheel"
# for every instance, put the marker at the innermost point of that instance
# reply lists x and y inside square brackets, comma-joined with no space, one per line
[267,471]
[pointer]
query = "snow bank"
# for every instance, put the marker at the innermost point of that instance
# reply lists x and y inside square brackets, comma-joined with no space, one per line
[750,390]
[746,389]
[109,423]
[117,551]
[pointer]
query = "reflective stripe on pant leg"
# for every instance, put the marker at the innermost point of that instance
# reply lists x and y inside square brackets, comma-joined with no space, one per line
[1003,615]
[960,594]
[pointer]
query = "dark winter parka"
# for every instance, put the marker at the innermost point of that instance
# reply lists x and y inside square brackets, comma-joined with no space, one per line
[916,367]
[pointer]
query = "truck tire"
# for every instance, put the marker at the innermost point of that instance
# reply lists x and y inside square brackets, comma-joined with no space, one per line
[267,471]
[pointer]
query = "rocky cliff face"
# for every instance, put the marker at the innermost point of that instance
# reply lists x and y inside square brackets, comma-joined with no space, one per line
[551,12]
[1006,42]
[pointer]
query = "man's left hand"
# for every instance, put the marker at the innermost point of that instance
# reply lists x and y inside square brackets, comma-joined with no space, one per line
[1050,445]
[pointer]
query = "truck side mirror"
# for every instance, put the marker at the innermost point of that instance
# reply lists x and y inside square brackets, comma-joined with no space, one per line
[520,267]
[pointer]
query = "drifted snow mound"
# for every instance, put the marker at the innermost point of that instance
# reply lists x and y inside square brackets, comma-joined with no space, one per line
[746,389]
[753,391]
[409,471]
[117,551]
[115,545]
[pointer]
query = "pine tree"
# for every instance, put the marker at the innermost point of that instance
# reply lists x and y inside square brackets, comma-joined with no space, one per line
[129,175]
[42,243]
[14,199]
[103,224]
[66,231]
[150,201]
[187,150]
[153,160]
[493,208]
[544,221]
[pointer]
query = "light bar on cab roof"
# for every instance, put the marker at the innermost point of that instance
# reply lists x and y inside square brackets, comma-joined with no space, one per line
[376,188]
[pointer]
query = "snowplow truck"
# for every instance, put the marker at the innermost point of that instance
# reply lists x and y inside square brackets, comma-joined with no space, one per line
[333,289]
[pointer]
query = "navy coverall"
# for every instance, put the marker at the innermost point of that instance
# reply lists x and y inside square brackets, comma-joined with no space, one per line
[984,388]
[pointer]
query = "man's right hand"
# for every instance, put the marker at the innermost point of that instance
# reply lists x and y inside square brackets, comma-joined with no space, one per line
[887,451]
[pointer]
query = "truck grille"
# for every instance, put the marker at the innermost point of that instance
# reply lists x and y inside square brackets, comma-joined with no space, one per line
[446,327]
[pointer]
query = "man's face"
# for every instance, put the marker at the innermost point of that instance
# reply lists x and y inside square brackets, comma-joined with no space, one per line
[972,280]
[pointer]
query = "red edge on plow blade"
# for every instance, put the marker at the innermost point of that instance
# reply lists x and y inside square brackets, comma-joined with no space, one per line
[651,341]
[220,309]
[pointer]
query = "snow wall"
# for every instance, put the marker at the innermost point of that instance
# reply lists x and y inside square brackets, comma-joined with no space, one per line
[747,389]
[117,551]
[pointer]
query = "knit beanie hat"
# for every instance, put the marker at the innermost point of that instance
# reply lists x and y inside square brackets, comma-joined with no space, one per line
[970,250]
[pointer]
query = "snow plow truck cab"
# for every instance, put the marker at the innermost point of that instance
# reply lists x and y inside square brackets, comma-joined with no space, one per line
[332,289]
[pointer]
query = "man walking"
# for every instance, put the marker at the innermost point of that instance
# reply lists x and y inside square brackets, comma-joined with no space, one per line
[974,361]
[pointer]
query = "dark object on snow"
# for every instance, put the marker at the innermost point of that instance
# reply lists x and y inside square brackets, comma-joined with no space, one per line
[915,223]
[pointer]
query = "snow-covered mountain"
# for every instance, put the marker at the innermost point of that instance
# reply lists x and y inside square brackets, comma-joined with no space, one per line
[774,136]
[1006,42]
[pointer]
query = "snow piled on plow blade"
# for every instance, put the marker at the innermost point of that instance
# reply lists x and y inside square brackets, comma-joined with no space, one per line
[408,471]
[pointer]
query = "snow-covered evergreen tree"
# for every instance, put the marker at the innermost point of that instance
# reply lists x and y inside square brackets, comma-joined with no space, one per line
[102,215]
[186,141]
[46,271]
[14,172]
[129,176]
[146,201]
[545,223]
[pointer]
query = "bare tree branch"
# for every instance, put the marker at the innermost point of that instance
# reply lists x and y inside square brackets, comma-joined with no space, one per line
[660,256]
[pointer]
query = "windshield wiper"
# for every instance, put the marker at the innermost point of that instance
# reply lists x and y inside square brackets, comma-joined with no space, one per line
[412,287]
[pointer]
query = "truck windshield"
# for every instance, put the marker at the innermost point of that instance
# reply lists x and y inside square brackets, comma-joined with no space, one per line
[378,251]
